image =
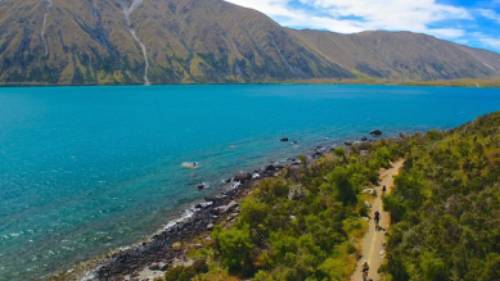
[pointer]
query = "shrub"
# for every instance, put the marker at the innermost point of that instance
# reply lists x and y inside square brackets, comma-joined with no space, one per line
[186,273]
[433,268]
[491,271]
[235,249]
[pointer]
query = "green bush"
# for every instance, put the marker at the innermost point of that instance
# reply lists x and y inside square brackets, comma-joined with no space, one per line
[433,268]
[235,247]
[395,206]
[491,270]
[340,178]
[186,273]
[445,206]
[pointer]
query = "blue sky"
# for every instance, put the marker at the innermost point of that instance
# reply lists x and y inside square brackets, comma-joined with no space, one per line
[471,22]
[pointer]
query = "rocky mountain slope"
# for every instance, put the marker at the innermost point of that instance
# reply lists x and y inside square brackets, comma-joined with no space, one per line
[176,41]
[401,55]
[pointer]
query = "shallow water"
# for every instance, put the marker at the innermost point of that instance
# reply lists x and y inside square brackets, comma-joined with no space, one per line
[88,169]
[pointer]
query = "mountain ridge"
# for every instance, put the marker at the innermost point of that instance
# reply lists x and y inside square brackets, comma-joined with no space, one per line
[204,41]
[429,57]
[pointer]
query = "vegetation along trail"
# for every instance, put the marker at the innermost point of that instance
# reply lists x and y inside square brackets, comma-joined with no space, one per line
[373,244]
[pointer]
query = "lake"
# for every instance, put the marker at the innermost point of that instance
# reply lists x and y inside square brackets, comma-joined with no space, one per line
[84,170]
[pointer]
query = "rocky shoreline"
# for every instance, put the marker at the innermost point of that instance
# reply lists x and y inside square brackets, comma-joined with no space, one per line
[162,250]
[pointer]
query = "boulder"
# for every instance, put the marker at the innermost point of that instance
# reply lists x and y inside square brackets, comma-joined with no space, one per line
[190,165]
[155,267]
[202,186]
[215,199]
[177,246]
[227,208]
[296,192]
[204,205]
[242,177]
[269,169]
[376,133]
[316,155]
[234,186]
[284,139]
[294,171]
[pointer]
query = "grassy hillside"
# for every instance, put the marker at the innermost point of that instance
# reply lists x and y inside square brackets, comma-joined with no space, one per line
[91,42]
[447,206]
[198,41]
[402,56]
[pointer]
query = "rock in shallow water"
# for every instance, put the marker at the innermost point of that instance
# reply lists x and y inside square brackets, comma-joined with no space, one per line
[202,186]
[190,165]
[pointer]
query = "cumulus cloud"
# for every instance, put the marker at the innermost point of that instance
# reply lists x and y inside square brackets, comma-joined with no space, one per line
[391,14]
[432,17]
[489,14]
[492,42]
[347,16]
[448,33]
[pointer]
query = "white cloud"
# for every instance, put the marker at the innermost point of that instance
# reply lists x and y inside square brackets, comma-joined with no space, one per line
[391,14]
[269,7]
[489,14]
[347,16]
[492,42]
[448,33]
[298,18]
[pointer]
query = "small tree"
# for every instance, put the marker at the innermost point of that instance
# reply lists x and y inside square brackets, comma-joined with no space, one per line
[397,269]
[491,271]
[234,247]
[433,268]
[345,191]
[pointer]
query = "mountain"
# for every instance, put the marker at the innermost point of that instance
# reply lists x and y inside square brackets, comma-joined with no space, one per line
[180,41]
[401,55]
[162,41]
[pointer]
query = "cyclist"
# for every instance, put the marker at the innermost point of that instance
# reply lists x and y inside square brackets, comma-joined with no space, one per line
[377,220]
[366,269]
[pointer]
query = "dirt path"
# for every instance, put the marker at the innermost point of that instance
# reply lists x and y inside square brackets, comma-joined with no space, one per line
[373,250]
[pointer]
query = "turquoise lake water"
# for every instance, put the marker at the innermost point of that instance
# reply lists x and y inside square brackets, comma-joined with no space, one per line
[87,169]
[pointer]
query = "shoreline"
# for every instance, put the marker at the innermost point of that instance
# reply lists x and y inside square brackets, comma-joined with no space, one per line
[465,83]
[159,250]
